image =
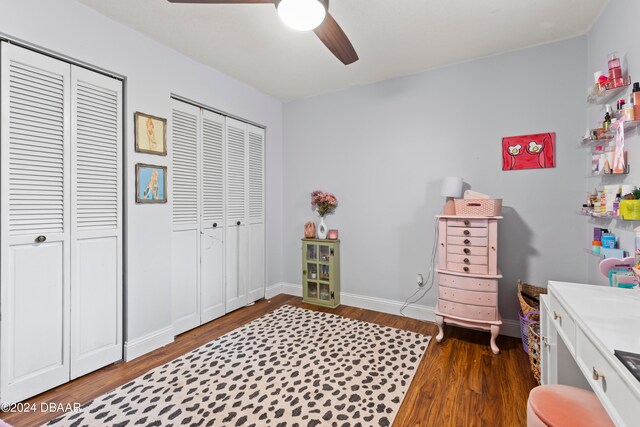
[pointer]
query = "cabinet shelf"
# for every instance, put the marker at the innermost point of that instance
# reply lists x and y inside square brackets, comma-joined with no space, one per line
[606,95]
[590,252]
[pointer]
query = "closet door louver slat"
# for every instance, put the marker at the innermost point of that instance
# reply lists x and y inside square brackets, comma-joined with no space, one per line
[256,181]
[185,167]
[212,170]
[97,171]
[37,107]
[236,134]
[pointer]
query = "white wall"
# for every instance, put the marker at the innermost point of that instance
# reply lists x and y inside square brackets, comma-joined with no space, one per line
[153,71]
[616,30]
[384,148]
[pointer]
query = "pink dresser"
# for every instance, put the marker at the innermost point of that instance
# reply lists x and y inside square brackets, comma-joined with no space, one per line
[468,274]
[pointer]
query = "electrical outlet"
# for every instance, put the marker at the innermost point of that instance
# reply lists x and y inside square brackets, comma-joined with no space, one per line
[420,280]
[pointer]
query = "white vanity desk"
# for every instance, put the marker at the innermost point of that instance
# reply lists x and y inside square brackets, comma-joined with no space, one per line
[580,327]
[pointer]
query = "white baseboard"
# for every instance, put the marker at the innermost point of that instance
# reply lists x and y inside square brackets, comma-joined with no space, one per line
[509,327]
[273,290]
[145,344]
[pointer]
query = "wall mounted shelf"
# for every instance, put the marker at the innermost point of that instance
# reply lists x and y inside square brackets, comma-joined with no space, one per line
[607,95]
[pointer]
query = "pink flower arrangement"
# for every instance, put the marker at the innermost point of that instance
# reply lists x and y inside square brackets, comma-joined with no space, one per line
[325,203]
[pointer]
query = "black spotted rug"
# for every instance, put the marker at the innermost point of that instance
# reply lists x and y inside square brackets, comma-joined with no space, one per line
[290,368]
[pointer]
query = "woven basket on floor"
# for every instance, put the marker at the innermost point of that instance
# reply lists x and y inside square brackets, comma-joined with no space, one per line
[529,296]
[534,349]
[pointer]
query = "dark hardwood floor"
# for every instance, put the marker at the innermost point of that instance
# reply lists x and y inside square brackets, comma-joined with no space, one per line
[459,382]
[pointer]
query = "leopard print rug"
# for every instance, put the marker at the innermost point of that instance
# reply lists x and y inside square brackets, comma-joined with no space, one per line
[290,368]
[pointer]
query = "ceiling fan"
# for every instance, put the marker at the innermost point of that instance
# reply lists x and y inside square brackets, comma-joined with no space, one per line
[305,15]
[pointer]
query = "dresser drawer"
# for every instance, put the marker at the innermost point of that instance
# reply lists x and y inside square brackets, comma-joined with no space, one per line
[487,299]
[468,283]
[467,232]
[467,250]
[467,311]
[611,388]
[468,259]
[469,269]
[467,241]
[563,323]
[467,222]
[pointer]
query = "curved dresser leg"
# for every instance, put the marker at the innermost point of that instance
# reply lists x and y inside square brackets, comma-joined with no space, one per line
[495,330]
[440,323]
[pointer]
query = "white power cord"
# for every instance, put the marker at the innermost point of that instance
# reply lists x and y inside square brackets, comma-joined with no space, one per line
[421,292]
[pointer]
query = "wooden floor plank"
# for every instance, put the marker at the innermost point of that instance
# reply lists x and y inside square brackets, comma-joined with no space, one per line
[458,383]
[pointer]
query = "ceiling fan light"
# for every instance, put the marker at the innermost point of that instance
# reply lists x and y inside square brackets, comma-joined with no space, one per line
[302,15]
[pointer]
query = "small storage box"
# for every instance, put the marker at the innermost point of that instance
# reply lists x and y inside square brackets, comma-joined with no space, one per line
[479,207]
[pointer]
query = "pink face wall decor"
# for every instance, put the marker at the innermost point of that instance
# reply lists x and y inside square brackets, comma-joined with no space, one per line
[529,151]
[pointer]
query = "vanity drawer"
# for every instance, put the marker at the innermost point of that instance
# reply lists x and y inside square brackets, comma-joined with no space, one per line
[467,311]
[487,299]
[468,259]
[467,241]
[467,232]
[467,222]
[563,322]
[468,269]
[467,250]
[468,283]
[611,388]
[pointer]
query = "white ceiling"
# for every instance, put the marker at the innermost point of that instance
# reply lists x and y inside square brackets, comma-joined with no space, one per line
[392,37]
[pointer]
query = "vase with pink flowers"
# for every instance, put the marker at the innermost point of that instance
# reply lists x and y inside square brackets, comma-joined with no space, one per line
[324,203]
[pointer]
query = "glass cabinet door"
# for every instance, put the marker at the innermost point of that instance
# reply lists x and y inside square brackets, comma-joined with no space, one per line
[312,271]
[312,252]
[325,292]
[325,253]
[325,273]
[312,290]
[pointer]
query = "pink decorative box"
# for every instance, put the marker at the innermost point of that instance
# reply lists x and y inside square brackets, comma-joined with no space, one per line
[478,207]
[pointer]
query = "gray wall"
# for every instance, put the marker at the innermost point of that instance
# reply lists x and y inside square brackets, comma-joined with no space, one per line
[384,148]
[153,71]
[616,30]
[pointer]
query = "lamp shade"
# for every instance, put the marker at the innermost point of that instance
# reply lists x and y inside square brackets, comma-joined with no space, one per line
[451,187]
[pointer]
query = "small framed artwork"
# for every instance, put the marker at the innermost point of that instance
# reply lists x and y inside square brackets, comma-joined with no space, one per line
[151,183]
[151,134]
[535,151]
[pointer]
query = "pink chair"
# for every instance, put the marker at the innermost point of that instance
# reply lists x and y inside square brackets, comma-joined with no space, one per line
[560,405]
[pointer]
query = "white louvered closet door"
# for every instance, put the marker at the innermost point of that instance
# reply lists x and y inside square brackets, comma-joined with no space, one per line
[96,221]
[35,223]
[256,224]
[185,247]
[236,247]
[212,287]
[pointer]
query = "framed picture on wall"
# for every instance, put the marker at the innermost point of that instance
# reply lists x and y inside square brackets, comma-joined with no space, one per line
[151,183]
[151,134]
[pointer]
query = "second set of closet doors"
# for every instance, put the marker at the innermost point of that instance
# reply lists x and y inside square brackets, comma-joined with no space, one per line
[218,237]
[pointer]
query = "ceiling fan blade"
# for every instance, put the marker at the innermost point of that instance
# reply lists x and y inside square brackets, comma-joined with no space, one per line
[330,33]
[221,1]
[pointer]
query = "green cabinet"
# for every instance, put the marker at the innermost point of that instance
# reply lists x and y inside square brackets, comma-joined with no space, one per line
[321,272]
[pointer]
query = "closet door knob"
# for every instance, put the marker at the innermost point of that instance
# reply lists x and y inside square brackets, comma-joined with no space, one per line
[467,241]
[467,232]
[467,251]
[41,239]
[238,223]
[215,224]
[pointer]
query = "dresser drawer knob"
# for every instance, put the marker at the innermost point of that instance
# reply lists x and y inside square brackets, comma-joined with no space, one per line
[467,232]
[466,222]
[597,375]
[466,269]
[467,241]
[467,251]
[442,244]
[556,316]
[466,261]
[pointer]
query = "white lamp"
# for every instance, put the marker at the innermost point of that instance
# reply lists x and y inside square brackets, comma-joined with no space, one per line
[302,15]
[451,188]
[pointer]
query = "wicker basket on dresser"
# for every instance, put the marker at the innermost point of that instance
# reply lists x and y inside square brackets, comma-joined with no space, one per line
[468,274]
